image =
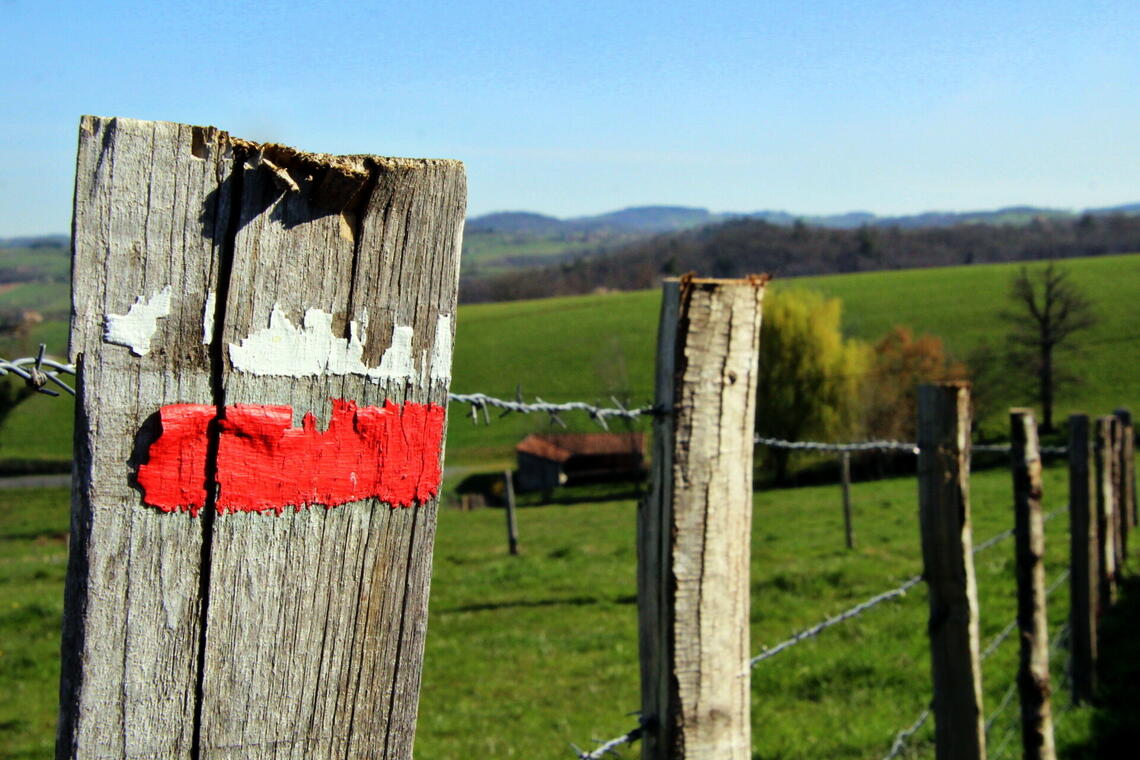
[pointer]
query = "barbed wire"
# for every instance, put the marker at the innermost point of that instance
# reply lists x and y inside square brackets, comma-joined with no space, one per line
[903,446]
[481,402]
[38,378]
[1055,643]
[903,736]
[608,747]
[818,628]
[778,443]
[37,371]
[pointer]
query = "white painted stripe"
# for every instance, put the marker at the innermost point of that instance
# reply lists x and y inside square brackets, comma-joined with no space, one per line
[136,328]
[441,349]
[283,349]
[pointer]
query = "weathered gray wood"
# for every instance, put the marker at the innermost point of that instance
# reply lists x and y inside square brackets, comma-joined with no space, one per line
[1084,559]
[947,554]
[1029,538]
[313,619]
[1105,511]
[146,208]
[1128,466]
[337,597]
[512,522]
[694,528]
[845,472]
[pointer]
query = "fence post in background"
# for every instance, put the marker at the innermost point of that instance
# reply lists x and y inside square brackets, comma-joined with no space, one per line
[1084,559]
[846,473]
[694,527]
[214,606]
[1029,536]
[947,554]
[512,523]
[1105,519]
[1119,518]
[1128,467]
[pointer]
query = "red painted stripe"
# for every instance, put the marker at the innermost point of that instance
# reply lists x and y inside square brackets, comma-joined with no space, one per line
[391,453]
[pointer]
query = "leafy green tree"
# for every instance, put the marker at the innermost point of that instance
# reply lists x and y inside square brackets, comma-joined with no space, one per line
[810,377]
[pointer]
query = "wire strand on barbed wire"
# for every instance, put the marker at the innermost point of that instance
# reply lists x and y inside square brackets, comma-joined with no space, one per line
[778,443]
[824,625]
[1005,632]
[38,370]
[903,736]
[480,402]
[998,640]
[608,747]
[1007,533]
[904,446]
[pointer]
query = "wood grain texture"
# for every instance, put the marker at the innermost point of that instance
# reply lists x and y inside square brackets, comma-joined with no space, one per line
[695,528]
[1029,537]
[145,210]
[1084,559]
[300,634]
[947,554]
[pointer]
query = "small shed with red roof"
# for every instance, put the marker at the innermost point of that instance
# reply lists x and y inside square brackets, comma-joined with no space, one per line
[549,460]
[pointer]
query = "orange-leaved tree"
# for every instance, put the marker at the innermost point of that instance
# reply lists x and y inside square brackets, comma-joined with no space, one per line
[900,362]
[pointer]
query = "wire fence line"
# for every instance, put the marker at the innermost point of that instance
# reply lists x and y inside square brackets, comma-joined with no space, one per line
[818,628]
[777,443]
[608,747]
[39,370]
[903,736]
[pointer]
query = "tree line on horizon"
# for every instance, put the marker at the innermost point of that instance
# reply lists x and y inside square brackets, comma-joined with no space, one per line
[745,246]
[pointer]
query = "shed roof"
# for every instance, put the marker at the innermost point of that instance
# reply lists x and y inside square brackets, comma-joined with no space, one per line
[559,447]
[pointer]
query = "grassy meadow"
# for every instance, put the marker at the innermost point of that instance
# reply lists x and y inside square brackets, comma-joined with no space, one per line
[528,654]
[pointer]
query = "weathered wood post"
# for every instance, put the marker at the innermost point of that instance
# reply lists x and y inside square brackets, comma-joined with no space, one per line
[1128,466]
[1084,559]
[512,523]
[694,528]
[848,528]
[1105,512]
[263,343]
[1032,621]
[948,562]
[1119,519]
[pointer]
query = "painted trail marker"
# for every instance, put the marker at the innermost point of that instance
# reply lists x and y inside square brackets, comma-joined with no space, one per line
[263,340]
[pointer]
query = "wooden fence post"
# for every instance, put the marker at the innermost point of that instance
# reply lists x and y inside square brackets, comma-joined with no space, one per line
[1128,467]
[1105,512]
[512,523]
[947,554]
[694,528]
[1119,518]
[845,471]
[263,343]
[1084,559]
[1029,534]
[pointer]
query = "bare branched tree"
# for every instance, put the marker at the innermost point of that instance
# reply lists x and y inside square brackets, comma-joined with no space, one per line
[1048,310]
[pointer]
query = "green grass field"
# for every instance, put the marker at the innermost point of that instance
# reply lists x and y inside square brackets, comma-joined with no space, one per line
[527,654]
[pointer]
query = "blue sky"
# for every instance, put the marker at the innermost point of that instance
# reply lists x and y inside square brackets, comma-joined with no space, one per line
[572,108]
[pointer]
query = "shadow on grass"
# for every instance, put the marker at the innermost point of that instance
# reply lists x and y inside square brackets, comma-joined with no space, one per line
[1116,720]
